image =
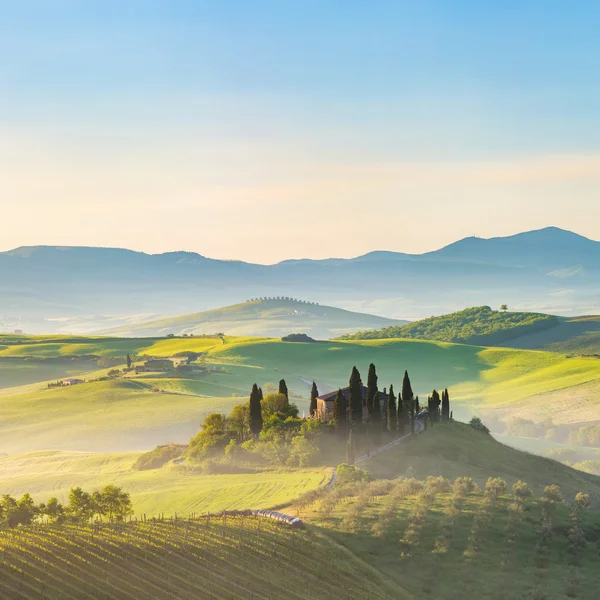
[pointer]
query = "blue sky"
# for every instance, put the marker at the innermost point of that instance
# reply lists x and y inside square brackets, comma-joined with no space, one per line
[245,129]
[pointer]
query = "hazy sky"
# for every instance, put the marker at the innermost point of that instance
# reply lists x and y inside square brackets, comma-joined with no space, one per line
[264,130]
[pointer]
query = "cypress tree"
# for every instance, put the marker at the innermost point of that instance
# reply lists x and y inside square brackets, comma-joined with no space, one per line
[400,413]
[392,416]
[283,388]
[128,361]
[350,450]
[417,407]
[314,393]
[371,388]
[409,401]
[435,406]
[376,418]
[340,412]
[445,405]
[355,401]
[256,421]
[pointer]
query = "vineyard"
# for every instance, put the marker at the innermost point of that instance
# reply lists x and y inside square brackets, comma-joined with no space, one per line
[229,558]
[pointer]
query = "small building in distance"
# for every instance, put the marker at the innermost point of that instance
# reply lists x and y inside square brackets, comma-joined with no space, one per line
[158,364]
[325,402]
[71,381]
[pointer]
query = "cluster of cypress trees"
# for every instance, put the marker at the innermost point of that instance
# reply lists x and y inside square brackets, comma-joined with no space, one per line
[433,407]
[255,408]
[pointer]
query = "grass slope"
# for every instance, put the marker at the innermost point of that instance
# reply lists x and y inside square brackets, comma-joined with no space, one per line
[478,325]
[170,490]
[269,318]
[455,449]
[127,415]
[72,346]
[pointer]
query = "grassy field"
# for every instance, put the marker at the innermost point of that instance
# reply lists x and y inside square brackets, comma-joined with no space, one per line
[169,490]
[18,372]
[102,416]
[126,414]
[69,346]
[270,318]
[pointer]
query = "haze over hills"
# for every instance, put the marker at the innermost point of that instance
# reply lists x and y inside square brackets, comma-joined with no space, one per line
[85,289]
[270,317]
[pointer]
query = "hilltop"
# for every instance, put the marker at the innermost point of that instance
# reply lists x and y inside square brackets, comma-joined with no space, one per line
[79,289]
[483,326]
[268,317]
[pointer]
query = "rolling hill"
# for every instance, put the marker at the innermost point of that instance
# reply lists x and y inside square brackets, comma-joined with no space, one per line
[140,411]
[61,289]
[393,537]
[483,326]
[273,317]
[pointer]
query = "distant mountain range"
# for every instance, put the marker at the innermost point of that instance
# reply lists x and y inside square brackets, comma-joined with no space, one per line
[85,289]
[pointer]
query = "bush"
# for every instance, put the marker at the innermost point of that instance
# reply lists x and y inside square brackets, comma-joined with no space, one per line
[476,423]
[521,490]
[297,337]
[158,457]
[495,487]
[437,485]
[350,474]
[553,493]
[463,486]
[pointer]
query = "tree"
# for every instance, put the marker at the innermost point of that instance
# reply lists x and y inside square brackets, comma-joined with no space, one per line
[113,503]
[239,419]
[400,409]
[340,412]
[434,408]
[408,400]
[445,405]
[392,415]
[54,509]
[80,504]
[504,307]
[376,418]
[371,387]
[283,388]
[256,421]
[278,404]
[314,394]
[128,361]
[417,406]
[350,450]
[355,401]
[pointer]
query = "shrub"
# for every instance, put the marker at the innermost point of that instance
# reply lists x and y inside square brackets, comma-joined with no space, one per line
[553,493]
[350,474]
[495,487]
[521,490]
[476,423]
[437,485]
[463,486]
[158,457]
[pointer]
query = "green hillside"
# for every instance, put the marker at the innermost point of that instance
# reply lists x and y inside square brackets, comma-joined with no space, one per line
[273,317]
[455,449]
[479,325]
[173,489]
[440,536]
[138,412]
[486,327]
